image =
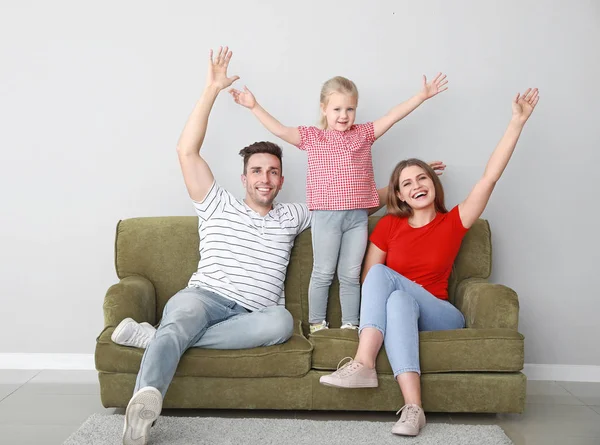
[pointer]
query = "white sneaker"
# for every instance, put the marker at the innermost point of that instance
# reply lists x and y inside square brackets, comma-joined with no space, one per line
[352,375]
[318,326]
[411,421]
[142,410]
[348,326]
[131,333]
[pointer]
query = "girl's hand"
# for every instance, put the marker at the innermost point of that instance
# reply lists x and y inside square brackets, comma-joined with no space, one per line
[438,167]
[523,105]
[217,69]
[437,85]
[244,98]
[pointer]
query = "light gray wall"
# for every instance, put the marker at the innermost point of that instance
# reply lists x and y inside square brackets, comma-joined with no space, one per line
[94,96]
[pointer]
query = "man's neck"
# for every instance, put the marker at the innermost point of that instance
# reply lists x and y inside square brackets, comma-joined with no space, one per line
[261,210]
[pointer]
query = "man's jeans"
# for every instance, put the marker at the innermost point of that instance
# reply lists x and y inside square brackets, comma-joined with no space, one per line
[339,238]
[196,317]
[399,308]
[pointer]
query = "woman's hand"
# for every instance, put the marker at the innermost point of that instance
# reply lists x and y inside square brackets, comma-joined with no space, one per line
[523,105]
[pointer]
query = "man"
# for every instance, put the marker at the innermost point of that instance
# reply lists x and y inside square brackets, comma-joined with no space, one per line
[235,300]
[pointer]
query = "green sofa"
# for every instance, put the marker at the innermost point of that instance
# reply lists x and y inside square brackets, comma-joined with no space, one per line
[476,369]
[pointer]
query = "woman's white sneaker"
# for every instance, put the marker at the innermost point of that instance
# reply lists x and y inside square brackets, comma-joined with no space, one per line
[411,421]
[351,375]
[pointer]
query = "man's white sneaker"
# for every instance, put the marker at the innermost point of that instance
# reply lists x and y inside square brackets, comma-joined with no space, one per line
[131,333]
[142,410]
[411,421]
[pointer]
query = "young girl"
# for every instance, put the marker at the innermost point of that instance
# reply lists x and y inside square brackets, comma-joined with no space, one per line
[407,268]
[340,186]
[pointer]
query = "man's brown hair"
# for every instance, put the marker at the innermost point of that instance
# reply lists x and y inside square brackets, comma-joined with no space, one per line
[261,147]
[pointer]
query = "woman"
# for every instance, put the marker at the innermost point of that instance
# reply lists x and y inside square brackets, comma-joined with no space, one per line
[407,267]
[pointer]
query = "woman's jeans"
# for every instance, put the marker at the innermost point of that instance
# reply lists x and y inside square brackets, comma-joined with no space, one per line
[339,239]
[196,317]
[399,308]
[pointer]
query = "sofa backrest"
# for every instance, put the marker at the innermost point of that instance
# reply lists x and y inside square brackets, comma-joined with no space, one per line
[165,251]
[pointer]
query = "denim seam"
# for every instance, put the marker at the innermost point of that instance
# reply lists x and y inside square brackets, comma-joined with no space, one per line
[371,325]
[403,370]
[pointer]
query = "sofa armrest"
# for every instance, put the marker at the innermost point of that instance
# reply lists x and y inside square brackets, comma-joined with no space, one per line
[486,305]
[134,297]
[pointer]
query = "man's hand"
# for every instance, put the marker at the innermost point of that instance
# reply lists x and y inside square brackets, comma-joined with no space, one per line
[217,69]
[436,86]
[438,167]
[244,98]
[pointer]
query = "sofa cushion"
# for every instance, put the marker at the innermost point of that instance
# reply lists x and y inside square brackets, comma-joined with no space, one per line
[440,351]
[165,251]
[290,359]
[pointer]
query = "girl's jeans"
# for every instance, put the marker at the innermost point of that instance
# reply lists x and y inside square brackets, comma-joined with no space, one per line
[339,238]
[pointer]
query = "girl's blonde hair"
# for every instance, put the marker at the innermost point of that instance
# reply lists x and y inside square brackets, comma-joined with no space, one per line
[337,84]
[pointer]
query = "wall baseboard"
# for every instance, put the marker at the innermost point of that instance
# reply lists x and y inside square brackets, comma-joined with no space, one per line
[568,373]
[47,361]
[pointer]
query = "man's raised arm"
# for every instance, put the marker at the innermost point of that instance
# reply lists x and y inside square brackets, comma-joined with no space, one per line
[196,172]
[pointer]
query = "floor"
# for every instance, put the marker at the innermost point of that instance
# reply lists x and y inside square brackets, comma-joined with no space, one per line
[46,407]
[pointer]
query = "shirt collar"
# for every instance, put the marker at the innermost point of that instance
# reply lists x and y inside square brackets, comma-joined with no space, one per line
[270,215]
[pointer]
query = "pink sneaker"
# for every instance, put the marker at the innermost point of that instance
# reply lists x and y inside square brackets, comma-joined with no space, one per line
[411,421]
[352,375]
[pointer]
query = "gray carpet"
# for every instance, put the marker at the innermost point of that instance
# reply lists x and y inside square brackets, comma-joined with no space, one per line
[106,430]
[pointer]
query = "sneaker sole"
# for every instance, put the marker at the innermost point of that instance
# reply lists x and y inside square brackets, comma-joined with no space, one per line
[409,434]
[405,434]
[142,411]
[119,328]
[353,386]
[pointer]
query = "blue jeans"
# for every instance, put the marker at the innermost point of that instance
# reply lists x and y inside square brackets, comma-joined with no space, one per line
[339,238]
[399,308]
[196,317]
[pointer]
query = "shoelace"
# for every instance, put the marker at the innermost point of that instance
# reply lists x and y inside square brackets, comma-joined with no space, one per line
[410,414]
[139,337]
[347,368]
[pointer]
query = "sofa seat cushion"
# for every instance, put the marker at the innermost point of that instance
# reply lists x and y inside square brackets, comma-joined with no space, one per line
[290,359]
[459,350]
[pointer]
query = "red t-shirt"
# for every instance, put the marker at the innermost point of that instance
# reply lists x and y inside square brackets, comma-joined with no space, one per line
[424,255]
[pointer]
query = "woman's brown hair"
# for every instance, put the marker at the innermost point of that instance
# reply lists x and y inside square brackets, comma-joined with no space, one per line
[399,208]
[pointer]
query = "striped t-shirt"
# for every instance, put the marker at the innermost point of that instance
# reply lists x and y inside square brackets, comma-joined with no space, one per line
[244,256]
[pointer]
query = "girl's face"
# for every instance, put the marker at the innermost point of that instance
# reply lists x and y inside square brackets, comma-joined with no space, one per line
[416,188]
[340,111]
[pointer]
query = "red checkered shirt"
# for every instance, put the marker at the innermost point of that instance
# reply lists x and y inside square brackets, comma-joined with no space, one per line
[340,168]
